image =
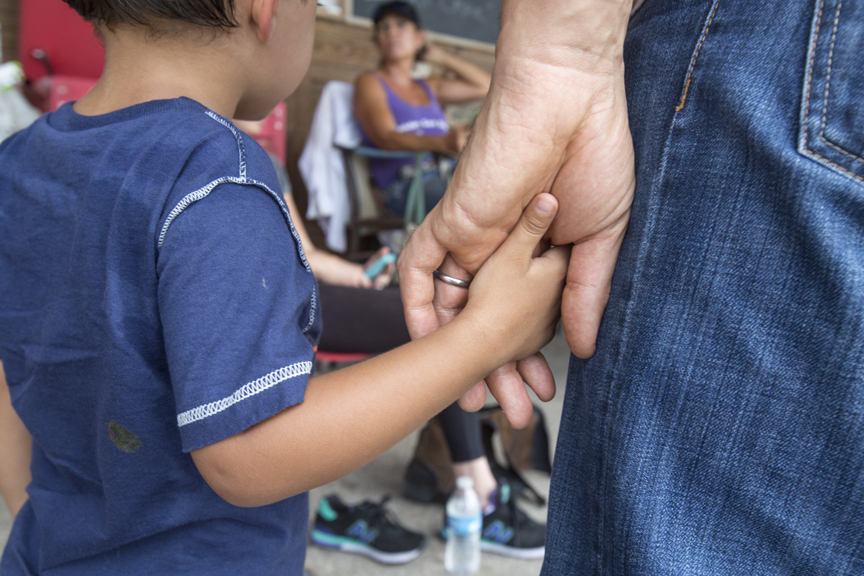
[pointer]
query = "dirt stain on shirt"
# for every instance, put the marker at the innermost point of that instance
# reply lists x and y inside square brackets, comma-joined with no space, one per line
[123,438]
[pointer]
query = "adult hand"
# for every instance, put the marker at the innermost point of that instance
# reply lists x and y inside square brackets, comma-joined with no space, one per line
[434,54]
[555,120]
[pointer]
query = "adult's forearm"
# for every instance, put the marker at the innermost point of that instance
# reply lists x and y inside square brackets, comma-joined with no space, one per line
[15,446]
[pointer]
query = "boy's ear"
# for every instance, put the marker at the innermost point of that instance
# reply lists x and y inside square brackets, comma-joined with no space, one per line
[263,14]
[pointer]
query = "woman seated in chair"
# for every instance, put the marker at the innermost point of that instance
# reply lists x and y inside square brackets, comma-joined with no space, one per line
[397,112]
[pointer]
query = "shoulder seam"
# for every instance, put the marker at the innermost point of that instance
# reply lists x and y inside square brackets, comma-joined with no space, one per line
[240,146]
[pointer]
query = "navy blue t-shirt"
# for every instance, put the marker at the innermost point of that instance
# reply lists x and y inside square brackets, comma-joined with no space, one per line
[154,299]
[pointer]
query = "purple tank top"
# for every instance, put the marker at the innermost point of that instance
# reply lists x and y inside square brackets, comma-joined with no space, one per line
[428,120]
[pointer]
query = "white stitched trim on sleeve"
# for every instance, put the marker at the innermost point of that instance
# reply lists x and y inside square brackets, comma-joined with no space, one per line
[247,390]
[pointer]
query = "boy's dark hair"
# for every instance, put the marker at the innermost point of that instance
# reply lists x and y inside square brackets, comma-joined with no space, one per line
[204,13]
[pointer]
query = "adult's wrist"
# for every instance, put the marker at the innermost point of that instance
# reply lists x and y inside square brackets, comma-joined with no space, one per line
[587,35]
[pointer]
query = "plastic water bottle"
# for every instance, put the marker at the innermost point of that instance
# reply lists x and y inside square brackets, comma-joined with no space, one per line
[464,522]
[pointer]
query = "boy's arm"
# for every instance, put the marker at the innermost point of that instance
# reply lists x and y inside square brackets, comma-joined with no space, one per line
[351,416]
[15,446]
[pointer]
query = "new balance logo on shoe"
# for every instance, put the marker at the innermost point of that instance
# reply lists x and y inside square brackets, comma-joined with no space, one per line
[498,532]
[360,530]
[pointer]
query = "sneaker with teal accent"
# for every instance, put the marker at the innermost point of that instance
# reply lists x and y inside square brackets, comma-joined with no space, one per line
[368,529]
[509,531]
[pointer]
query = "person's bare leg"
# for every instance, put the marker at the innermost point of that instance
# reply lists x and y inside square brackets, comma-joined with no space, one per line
[15,446]
[479,470]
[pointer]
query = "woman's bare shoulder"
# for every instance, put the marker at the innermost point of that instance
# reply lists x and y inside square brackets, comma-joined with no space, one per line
[367,79]
[368,94]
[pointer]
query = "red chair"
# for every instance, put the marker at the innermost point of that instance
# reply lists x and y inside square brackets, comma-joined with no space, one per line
[272,136]
[326,361]
[63,58]
[334,357]
[53,39]
[62,89]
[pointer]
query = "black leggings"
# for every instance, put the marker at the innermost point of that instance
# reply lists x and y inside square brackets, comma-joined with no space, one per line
[372,321]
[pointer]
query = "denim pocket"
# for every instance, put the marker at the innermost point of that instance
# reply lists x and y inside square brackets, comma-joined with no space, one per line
[832,115]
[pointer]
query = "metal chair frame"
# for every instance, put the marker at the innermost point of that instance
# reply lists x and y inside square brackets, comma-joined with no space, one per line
[368,213]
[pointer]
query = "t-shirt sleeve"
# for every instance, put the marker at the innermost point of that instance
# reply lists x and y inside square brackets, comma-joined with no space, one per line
[236,304]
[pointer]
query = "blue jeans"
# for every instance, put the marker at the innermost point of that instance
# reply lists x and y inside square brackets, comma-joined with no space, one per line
[719,428]
[396,194]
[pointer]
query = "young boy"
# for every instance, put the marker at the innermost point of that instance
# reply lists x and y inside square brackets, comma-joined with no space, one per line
[158,317]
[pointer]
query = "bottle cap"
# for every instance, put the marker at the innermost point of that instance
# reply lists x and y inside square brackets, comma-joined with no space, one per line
[465,482]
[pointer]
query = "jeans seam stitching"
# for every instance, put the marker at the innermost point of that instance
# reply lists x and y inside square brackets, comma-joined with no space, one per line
[828,88]
[838,149]
[810,74]
[696,57]
[837,166]
[807,99]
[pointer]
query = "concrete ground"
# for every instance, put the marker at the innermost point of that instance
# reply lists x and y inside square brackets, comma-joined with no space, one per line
[384,476]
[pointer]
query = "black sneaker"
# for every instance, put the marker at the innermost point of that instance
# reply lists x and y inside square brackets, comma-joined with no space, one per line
[367,529]
[507,530]
[421,484]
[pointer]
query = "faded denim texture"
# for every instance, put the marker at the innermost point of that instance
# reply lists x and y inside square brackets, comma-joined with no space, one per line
[719,429]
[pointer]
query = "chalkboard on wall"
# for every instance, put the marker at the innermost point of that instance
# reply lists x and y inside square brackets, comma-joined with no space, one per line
[476,20]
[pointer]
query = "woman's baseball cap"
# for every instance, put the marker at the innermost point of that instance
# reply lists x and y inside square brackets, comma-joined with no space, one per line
[399,8]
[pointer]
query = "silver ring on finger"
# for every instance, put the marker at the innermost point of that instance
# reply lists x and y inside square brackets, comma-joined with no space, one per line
[451,280]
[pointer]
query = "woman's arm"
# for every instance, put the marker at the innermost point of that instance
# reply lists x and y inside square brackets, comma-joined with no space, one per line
[331,269]
[472,82]
[374,115]
[15,446]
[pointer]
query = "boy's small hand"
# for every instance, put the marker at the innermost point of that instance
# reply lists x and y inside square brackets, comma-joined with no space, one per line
[517,294]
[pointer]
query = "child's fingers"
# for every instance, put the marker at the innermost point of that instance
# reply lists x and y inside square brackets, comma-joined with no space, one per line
[559,256]
[535,221]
